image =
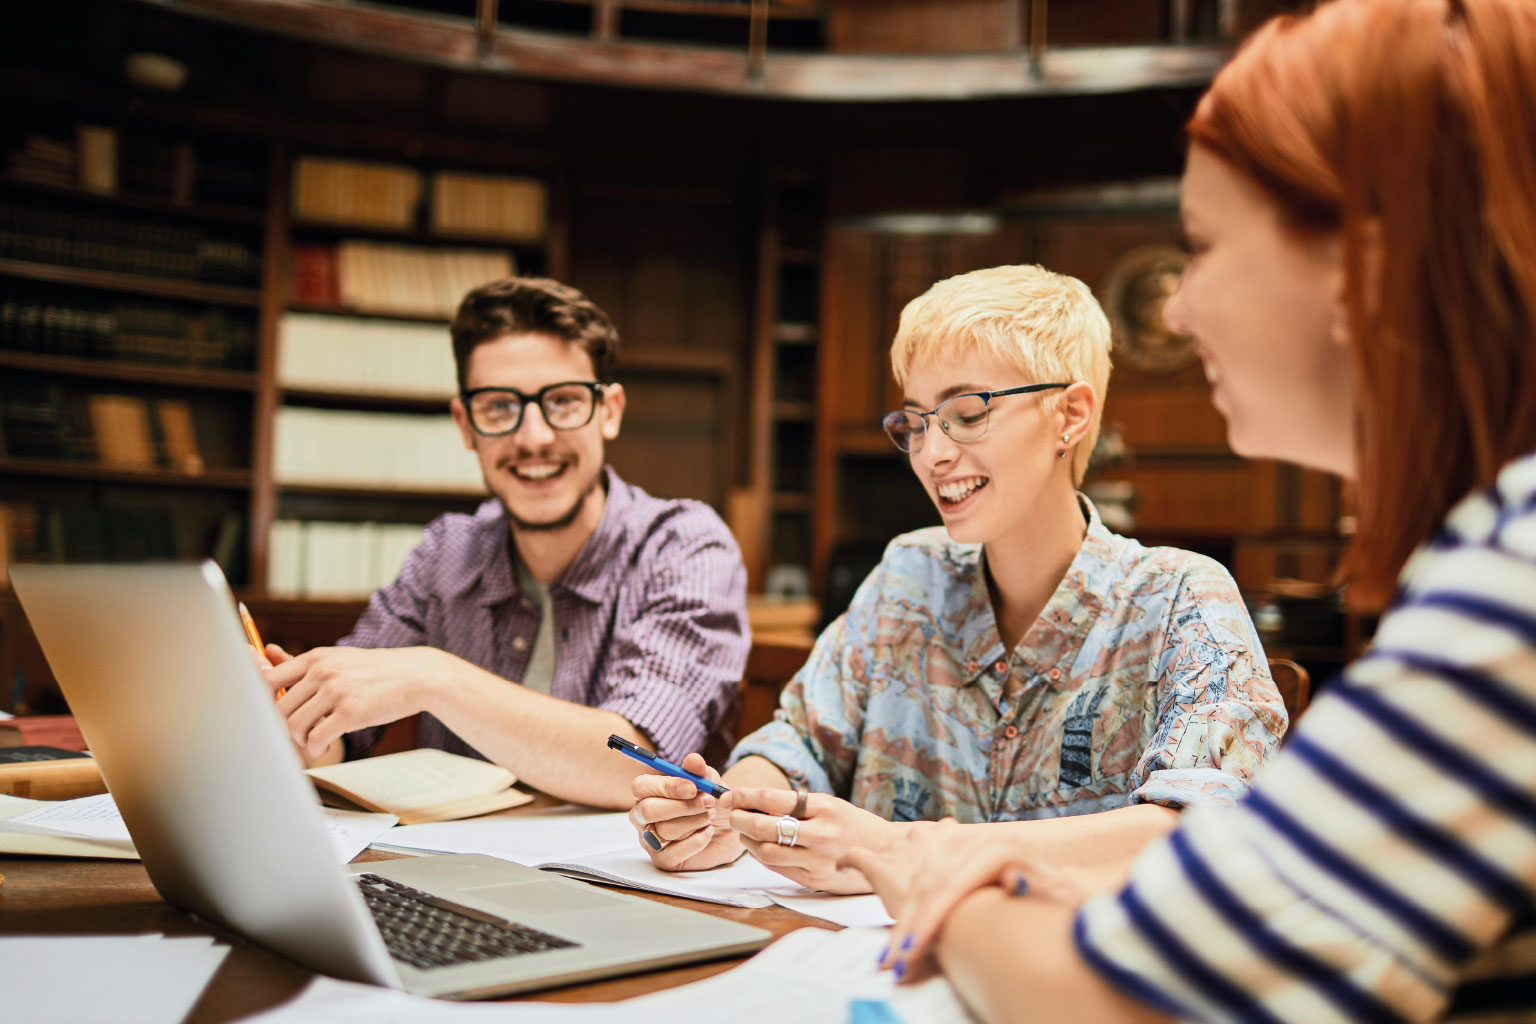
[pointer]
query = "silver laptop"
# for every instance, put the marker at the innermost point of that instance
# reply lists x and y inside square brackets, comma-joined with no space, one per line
[157,671]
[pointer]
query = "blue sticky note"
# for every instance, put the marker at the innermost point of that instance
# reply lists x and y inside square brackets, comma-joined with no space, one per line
[871,1011]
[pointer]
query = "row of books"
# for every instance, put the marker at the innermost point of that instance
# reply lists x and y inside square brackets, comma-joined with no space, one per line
[49,531]
[392,196]
[366,356]
[373,450]
[101,159]
[336,560]
[380,277]
[40,234]
[76,532]
[93,327]
[119,431]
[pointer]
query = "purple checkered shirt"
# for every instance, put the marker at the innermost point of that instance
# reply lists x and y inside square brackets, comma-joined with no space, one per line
[650,617]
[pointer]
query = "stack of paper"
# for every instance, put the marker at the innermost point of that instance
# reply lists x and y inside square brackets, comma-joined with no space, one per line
[129,979]
[810,977]
[92,827]
[603,847]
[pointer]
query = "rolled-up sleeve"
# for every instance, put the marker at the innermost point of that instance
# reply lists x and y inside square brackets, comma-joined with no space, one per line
[676,667]
[815,734]
[1219,713]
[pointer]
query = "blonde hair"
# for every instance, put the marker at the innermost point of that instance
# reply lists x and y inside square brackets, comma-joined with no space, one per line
[1048,325]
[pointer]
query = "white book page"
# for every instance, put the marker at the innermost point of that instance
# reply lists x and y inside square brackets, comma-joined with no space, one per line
[97,817]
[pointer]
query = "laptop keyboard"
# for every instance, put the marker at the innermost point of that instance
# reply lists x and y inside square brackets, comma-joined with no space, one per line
[428,931]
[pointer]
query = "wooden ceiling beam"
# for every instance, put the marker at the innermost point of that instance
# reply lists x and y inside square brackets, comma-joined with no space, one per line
[481,46]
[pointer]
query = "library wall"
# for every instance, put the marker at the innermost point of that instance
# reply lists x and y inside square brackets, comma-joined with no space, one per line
[200,352]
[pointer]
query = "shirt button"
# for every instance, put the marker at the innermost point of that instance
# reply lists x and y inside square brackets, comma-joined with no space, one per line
[519,644]
[1000,667]
[1011,732]
[972,665]
[1055,673]
[527,605]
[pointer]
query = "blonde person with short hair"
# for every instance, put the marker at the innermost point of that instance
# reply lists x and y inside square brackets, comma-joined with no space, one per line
[1019,664]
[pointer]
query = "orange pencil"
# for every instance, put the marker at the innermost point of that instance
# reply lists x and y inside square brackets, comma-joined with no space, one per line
[255,638]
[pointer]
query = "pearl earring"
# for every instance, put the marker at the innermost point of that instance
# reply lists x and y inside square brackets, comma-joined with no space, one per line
[1065,439]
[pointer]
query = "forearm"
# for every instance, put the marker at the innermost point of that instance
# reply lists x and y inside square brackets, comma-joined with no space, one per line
[550,744]
[1036,975]
[1103,840]
[755,771]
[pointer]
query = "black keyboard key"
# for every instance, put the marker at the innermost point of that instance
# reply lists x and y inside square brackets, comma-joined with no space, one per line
[428,931]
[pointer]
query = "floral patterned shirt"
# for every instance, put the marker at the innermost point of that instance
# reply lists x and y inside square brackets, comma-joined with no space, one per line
[1141,681]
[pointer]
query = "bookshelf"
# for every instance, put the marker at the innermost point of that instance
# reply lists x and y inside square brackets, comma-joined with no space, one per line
[130,263]
[375,253]
[157,293]
[784,388]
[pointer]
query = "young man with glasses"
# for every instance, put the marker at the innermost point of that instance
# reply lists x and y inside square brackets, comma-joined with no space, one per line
[1020,664]
[569,607]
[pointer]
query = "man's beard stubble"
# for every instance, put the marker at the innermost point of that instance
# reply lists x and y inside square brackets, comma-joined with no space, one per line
[562,521]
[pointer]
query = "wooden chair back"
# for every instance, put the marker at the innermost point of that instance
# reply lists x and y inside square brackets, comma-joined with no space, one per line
[1294,684]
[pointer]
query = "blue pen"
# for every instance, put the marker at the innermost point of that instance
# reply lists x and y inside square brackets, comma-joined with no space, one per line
[650,760]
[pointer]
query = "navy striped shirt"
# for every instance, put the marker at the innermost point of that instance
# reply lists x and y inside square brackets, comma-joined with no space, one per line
[650,617]
[1383,867]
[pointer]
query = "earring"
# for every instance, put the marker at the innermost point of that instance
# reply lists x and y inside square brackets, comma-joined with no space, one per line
[1065,439]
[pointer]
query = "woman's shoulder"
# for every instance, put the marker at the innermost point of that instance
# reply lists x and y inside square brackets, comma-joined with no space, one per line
[928,559]
[1485,541]
[1142,569]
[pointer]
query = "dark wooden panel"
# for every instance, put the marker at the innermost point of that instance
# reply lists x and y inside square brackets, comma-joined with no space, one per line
[670,441]
[1152,419]
[922,26]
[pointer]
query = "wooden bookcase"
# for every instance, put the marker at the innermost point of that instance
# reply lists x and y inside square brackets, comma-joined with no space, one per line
[130,307]
[780,500]
[340,396]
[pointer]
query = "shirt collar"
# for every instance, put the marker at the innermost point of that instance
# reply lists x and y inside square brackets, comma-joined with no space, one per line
[588,576]
[1054,639]
[592,574]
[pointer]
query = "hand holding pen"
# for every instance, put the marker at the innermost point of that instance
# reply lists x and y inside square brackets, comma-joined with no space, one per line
[682,816]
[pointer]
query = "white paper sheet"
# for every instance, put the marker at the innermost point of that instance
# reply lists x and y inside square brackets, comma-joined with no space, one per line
[97,817]
[849,911]
[528,837]
[808,977]
[604,842]
[737,885]
[25,841]
[128,979]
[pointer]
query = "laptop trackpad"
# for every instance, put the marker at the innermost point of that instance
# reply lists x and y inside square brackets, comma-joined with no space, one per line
[547,897]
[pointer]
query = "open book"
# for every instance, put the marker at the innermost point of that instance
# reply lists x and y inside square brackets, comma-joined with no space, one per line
[595,846]
[419,786]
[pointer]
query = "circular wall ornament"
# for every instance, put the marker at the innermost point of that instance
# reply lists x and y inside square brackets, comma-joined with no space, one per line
[1140,284]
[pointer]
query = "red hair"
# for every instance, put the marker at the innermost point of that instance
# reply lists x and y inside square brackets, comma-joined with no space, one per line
[1409,126]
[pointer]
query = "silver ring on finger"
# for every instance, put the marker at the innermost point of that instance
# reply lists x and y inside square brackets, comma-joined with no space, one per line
[801,797]
[788,828]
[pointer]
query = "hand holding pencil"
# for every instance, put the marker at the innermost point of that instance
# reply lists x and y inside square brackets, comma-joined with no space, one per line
[255,638]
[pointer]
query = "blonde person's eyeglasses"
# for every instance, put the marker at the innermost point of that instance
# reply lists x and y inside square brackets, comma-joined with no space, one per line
[963,418]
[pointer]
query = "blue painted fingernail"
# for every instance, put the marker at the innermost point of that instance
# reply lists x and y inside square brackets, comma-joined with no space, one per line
[906,943]
[900,969]
[885,954]
[1020,886]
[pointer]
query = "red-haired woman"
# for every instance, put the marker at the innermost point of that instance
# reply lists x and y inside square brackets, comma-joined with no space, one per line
[1360,197]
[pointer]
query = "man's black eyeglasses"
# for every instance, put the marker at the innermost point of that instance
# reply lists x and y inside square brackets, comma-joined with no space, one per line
[568,405]
[963,417]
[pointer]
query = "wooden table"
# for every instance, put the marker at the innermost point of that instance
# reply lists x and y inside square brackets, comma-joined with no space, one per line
[112,897]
